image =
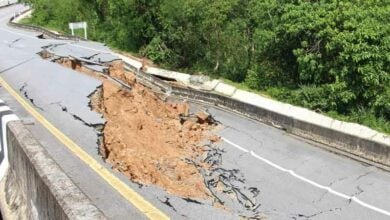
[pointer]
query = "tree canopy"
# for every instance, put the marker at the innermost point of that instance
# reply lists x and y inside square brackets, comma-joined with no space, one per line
[327,55]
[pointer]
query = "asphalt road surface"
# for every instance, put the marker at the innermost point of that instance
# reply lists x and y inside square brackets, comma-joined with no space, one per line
[284,176]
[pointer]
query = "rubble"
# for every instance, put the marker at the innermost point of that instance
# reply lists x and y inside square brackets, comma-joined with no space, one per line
[203,117]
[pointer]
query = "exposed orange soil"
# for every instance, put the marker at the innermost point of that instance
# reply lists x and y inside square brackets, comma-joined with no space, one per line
[116,69]
[149,140]
[145,140]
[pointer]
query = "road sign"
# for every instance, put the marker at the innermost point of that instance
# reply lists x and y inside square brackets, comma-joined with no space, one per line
[79,25]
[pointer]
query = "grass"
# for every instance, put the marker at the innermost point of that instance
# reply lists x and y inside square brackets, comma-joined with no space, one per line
[26,20]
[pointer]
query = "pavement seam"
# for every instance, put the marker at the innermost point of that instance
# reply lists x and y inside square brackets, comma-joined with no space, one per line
[129,194]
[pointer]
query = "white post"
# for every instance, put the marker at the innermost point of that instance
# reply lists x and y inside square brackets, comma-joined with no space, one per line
[79,25]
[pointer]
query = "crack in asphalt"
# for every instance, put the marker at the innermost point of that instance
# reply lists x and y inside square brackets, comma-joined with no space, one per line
[168,203]
[26,95]
[92,56]
[227,186]
[261,143]
[13,42]
[52,46]
[363,175]
[189,200]
[321,197]
[360,191]
[338,180]
[97,127]
[17,65]
[329,185]
[309,216]
[316,214]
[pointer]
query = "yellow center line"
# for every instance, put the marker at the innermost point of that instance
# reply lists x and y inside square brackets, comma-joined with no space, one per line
[129,194]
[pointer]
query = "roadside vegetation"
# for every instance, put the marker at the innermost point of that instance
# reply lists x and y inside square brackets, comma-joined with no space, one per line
[332,56]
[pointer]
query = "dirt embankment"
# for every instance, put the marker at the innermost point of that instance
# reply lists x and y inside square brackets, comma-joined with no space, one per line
[147,139]
[151,141]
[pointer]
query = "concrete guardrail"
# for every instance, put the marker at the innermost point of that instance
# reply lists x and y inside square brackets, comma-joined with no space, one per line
[32,185]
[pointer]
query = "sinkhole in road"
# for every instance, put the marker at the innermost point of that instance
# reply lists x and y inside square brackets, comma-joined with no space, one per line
[150,141]
[158,142]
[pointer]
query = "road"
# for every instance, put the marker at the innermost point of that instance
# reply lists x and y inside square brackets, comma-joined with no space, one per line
[7,2]
[287,177]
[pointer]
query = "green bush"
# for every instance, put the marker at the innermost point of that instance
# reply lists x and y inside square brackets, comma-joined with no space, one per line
[341,43]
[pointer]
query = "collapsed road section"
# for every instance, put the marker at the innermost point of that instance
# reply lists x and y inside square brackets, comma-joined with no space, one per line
[158,142]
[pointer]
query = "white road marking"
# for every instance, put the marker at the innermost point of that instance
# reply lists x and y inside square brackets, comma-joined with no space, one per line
[292,173]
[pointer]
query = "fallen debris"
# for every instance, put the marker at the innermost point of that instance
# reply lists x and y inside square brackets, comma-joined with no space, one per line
[203,117]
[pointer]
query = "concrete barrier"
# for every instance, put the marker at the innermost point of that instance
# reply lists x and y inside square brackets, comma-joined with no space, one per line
[35,187]
[225,89]
[180,77]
